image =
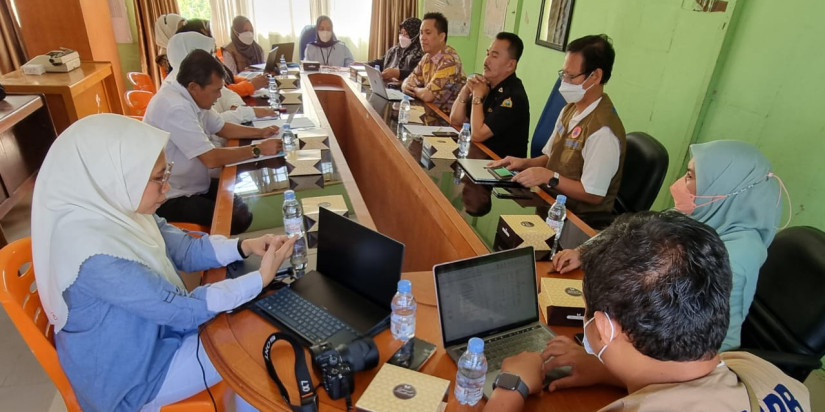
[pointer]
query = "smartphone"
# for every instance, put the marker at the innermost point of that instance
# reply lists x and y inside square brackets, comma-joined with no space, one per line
[413,355]
[501,172]
[512,193]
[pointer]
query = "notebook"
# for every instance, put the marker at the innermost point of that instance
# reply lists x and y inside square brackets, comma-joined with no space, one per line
[492,297]
[356,278]
[377,85]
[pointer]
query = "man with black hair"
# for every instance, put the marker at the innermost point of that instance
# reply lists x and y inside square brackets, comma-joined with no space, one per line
[182,108]
[495,104]
[438,77]
[583,158]
[656,291]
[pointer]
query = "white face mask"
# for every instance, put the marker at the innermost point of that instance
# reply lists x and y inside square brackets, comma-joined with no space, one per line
[246,37]
[573,93]
[404,41]
[586,343]
[324,36]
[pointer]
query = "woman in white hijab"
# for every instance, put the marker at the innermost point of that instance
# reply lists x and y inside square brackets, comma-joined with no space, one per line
[230,105]
[165,27]
[126,329]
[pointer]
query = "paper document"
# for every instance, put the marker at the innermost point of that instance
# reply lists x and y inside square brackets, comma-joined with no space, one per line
[296,123]
[428,130]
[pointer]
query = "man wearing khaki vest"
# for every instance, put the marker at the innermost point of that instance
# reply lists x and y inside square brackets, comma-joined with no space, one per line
[583,157]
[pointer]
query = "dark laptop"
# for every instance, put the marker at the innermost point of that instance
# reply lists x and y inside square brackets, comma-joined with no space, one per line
[286,50]
[349,294]
[492,297]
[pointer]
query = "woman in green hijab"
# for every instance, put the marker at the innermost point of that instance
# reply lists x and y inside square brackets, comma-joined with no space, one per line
[730,187]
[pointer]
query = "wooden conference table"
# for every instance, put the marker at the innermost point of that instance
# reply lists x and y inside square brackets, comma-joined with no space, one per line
[391,185]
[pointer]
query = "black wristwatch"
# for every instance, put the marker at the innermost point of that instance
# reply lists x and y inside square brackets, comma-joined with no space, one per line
[511,382]
[256,151]
[554,181]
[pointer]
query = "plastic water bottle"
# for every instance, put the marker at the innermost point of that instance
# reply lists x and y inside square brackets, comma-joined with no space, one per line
[402,320]
[282,66]
[289,140]
[294,226]
[472,369]
[274,99]
[555,219]
[403,116]
[464,138]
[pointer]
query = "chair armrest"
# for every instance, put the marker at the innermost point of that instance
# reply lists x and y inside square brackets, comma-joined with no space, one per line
[787,359]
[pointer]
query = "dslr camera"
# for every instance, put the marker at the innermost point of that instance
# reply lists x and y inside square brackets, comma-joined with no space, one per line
[338,364]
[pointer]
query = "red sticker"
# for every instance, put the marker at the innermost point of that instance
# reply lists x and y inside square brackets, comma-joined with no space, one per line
[576,132]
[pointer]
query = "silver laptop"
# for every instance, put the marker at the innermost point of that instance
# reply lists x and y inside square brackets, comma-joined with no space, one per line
[377,85]
[492,297]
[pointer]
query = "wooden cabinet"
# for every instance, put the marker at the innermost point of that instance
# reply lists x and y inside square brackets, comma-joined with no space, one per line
[71,96]
[26,133]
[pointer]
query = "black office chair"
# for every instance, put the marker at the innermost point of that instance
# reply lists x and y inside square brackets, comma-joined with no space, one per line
[786,322]
[645,166]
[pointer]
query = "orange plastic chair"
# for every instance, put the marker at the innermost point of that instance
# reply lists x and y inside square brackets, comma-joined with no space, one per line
[191,228]
[21,301]
[137,100]
[141,81]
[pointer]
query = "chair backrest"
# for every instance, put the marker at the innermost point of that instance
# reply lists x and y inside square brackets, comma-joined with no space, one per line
[141,81]
[645,166]
[307,36]
[137,101]
[21,301]
[19,297]
[544,128]
[788,311]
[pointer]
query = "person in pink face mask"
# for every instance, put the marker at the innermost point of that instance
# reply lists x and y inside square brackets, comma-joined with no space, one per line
[731,187]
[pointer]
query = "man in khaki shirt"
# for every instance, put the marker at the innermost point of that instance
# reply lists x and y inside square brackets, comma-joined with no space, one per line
[656,289]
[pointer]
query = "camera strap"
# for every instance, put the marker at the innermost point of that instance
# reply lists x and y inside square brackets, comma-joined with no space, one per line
[309,400]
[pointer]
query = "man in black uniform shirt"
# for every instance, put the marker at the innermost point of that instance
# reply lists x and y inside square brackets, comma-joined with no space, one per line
[495,104]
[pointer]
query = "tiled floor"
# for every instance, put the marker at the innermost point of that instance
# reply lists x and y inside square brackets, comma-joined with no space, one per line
[24,385]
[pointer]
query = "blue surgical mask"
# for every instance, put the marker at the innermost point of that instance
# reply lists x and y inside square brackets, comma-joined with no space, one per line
[586,343]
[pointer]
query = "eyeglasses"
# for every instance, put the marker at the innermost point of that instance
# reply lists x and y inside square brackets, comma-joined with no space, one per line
[166,174]
[567,77]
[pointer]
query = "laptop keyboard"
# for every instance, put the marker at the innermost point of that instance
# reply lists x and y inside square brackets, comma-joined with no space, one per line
[394,94]
[302,316]
[530,339]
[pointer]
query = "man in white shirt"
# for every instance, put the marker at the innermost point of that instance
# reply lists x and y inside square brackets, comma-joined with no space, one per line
[584,156]
[182,108]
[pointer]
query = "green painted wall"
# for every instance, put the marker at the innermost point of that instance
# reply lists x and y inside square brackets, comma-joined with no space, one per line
[769,91]
[130,52]
[665,57]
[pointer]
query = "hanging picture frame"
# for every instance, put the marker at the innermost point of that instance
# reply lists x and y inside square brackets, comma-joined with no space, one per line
[554,26]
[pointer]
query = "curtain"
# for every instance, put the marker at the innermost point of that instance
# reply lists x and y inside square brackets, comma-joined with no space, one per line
[12,51]
[386,17]
[146,13]
[223,12]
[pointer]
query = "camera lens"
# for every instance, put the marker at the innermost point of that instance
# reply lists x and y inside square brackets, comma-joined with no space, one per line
[360,354]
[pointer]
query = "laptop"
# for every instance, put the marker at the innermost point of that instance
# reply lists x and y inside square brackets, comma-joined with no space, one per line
[349,294]
[483,174]
[492,297]
[286,50]
[377,85]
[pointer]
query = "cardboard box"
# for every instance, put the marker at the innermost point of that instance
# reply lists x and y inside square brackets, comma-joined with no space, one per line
[562,301]
[304,162]
[439,147]
[313,139]
[287,82]
[524,230]
[395,389]
[312,205]
[291,96]
[310,66]
[353,71]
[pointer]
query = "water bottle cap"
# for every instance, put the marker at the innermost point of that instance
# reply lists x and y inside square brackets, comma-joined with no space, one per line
[289,195]
[466,126]
[561,199]
[286,126]
[404,286]
[406,97]
[476,345]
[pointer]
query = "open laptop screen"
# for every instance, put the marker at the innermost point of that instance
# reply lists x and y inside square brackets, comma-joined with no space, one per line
[487,294]
[359,258]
